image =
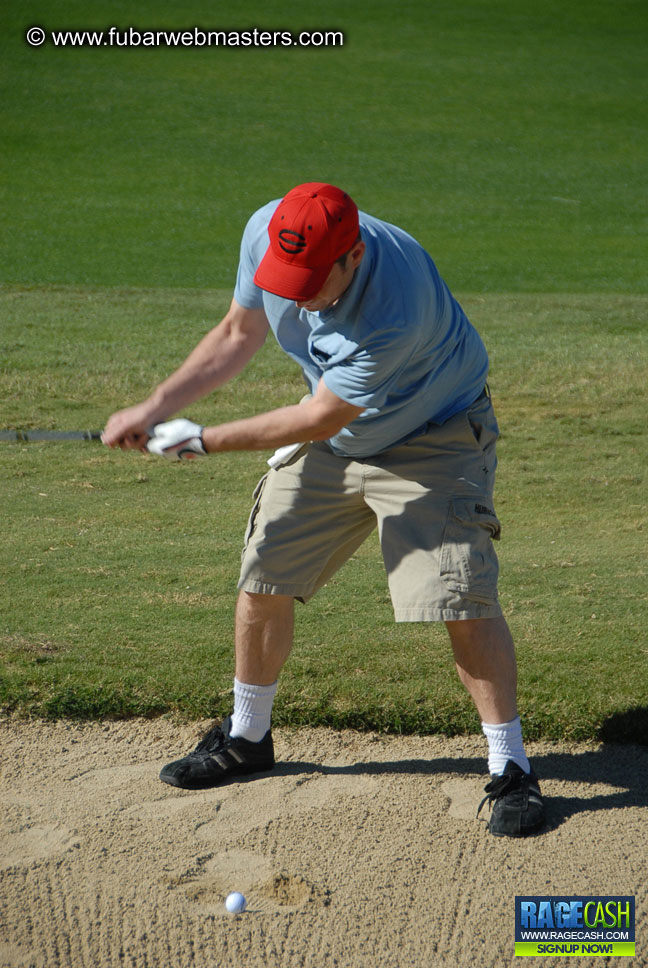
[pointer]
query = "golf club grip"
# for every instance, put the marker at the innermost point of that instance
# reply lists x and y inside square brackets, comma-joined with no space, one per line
[27,436]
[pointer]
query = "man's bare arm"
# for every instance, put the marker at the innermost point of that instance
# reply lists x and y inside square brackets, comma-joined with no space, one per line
[318,418]
[219,357]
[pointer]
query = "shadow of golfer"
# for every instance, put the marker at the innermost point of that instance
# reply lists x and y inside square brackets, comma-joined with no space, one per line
[623,768]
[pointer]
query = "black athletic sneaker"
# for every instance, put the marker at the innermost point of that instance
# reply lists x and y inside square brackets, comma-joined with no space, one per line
[517,805]
[218,757]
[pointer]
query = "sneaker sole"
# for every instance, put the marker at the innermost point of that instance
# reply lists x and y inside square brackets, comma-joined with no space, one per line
[531,832]
[207,784]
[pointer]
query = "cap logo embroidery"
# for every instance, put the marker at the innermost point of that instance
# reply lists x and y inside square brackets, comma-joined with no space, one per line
[291,242]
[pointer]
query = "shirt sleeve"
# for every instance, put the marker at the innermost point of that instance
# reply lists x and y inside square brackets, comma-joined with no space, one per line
[253,247]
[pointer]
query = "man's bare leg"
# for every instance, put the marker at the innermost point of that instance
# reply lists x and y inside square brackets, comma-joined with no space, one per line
[263,636]
[242,744]
[485,660]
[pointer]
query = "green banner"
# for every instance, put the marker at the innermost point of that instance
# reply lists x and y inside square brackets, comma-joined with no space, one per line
[539,949]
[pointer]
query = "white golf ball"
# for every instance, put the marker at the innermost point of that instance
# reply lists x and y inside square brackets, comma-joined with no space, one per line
[235,902]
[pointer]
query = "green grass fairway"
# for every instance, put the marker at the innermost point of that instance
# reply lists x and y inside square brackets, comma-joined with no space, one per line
[120,570]
[506,135]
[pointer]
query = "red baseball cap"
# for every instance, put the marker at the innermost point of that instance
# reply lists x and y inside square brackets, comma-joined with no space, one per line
[312,226]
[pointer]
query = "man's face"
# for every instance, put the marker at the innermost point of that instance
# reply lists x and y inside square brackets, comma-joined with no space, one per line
[338,281]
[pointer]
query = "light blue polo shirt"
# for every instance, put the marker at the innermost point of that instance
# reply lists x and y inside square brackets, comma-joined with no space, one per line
[396,343]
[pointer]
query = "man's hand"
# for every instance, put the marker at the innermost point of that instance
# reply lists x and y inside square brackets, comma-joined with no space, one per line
[177,440]
[129,429]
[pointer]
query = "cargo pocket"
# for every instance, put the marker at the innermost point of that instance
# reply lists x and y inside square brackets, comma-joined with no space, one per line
[256,503]
[469,563]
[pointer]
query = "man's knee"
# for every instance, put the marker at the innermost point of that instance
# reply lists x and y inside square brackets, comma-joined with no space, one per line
[479,631]
[257,604]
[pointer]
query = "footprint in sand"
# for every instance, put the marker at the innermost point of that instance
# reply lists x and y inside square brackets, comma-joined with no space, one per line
[243,869]
[237,813]
[170,807]
[278,797]
[14,956]
[464,797]
[34,844]
[253,876]
[112,777]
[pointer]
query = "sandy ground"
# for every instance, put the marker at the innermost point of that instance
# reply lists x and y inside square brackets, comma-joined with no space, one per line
[360,851]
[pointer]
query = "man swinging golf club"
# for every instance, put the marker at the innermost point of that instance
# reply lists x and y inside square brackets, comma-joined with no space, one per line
[398,433]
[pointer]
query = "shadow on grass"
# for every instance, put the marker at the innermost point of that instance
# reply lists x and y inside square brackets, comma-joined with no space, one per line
[630,726]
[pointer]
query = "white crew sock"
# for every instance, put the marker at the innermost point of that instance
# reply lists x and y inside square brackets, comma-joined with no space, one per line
[505,743]
[252,710]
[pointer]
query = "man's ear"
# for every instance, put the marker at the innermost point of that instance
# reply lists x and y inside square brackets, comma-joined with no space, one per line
[357,253]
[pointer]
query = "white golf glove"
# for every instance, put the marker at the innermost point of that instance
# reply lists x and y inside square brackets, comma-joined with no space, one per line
[177,440]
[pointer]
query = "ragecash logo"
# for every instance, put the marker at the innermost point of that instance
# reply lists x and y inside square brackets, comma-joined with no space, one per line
[603,926]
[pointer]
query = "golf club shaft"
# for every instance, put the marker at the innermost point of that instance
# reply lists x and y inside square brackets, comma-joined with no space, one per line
[27,436]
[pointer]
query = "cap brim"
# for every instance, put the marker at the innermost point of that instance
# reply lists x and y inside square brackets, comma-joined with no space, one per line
[289,281]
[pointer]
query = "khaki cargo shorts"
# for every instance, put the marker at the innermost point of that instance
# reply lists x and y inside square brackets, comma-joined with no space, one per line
[431,499]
